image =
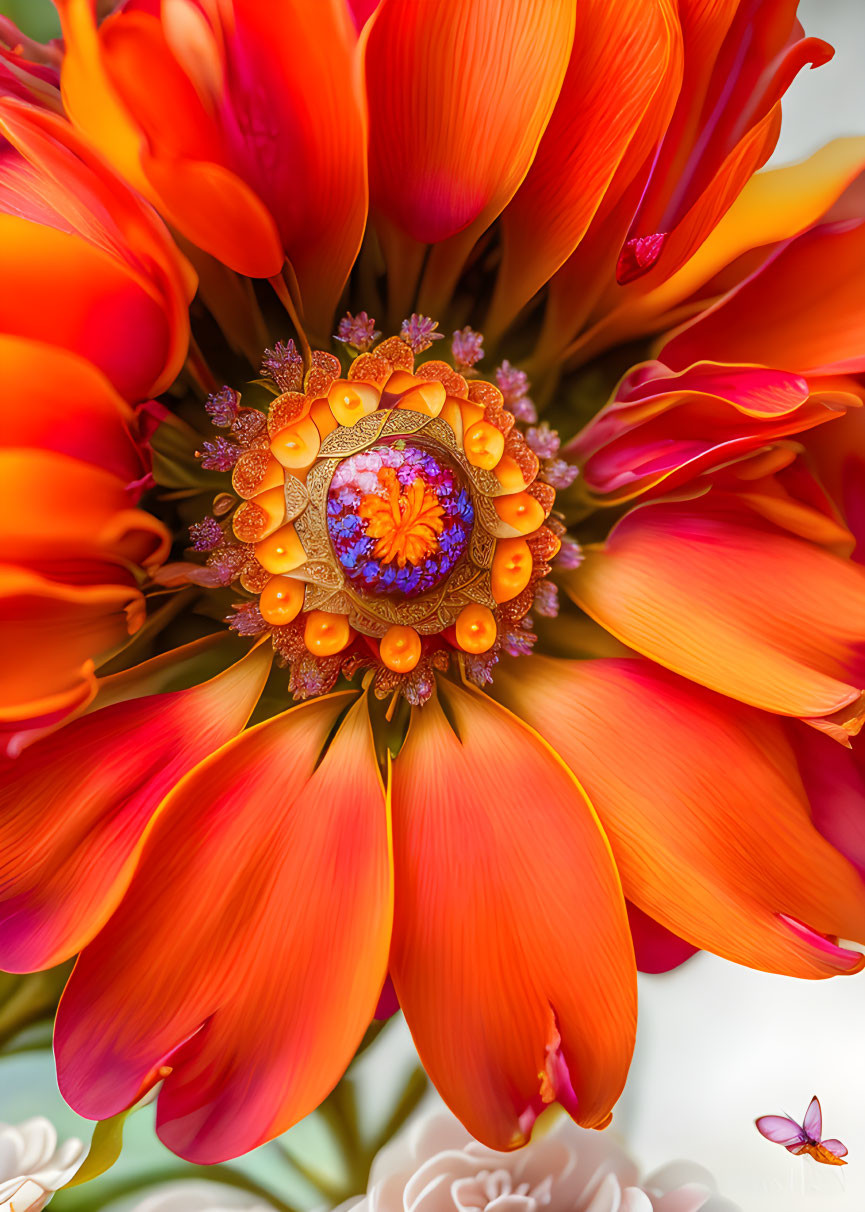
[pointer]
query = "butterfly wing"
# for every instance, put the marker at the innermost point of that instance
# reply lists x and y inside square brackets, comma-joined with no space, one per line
[834,1146]
[813,1121]
[782,1130]
[825,1156]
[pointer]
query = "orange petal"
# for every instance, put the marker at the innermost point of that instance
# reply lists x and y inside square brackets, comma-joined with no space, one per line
[713,592]
[236,155]
[60,509]
[804,310]
[68,407]
[56,282]
[89,199]
[633,43]
[459,94]
[249,952]
[511,955]
[704,808]
[69,844]
[51,633]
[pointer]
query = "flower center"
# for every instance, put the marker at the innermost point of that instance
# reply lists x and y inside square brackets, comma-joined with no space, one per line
[399,518]
[387,514]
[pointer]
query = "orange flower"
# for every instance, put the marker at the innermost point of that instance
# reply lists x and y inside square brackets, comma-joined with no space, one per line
[495,831]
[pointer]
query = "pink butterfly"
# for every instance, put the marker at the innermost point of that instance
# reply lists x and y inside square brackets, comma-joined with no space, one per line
[804,1139]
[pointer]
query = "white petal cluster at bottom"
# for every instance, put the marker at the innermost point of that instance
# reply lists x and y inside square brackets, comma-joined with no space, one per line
[32,1167]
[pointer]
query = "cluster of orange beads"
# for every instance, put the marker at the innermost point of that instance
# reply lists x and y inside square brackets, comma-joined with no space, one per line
[284,559]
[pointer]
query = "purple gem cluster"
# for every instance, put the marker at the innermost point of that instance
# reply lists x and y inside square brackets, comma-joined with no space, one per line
[358,476]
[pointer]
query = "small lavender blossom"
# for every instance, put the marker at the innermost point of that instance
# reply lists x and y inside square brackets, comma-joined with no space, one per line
[570,554]
[247,619]
[524,411]
[418,332]
[226,563]
[544,441]
[284,365]
[560,474]
[467,348]
[219,455]
[479,668]
[357,331]
[519,640]
[222,406]
[512,383]
[546,602]
[206,534]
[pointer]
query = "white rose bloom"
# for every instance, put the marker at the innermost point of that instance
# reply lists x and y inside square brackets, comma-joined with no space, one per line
[200,1197]
[435,1166]
[32,1167]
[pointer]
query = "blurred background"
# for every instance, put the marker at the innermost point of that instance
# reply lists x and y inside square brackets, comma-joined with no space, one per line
[718,1045]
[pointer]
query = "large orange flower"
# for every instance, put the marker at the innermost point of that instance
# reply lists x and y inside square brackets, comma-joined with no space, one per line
[492,812]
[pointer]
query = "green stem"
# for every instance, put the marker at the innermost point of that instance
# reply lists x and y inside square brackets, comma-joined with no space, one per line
[332,1192]
[226,1175]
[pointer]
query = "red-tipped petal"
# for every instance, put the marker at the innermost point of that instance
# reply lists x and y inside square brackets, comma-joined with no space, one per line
[74,807]
[511,956]
[705,811]
[656,948]
[249,952]
[714,593]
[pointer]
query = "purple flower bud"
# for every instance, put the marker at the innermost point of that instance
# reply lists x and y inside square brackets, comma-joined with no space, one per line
[570,554]
[219,455]
[467,347]
[418,332]
[357,331]
[206,534]
[544,441]
[546,601]
[512,383]
[560,474]
[284,365]
[222,406]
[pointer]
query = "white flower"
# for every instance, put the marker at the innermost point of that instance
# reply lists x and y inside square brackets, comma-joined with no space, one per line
[32,1167]
[435,1166]
[200,1197]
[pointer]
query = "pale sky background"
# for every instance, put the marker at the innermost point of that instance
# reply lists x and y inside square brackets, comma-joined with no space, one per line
[718,1045]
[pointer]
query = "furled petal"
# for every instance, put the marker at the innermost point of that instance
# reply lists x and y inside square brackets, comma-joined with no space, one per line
[804,310]
[704,808]
[245,962]
[61,509]
[55,400]
[657,949]
[50,635]
[75,807]
[93,248]
[459,94]
[740,58]
[715,593]
[835,781]
[253,143]
[511,955]
[629,41]
[662,428]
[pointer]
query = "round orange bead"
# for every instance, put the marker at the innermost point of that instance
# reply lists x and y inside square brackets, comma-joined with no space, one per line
[475,628]
[281,600]
[326,634]
[351,400]
[511,570]
[520,511]
[400,649]
[484,445]
[297,446]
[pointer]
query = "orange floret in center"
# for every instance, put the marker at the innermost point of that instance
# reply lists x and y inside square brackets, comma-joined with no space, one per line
[406,522]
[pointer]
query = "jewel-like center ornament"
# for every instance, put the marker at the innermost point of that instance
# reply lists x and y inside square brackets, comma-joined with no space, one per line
[399,519]
[387,514]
